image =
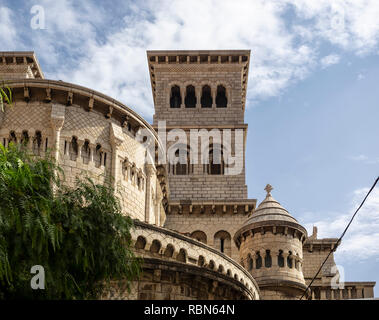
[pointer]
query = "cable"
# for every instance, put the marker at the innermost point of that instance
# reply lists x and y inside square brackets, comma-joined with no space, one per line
[340,238]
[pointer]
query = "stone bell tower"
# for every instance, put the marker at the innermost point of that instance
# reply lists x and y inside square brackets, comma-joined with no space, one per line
[204,91]
[271,249]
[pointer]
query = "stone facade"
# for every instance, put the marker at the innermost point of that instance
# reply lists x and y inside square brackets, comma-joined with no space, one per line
[197,231]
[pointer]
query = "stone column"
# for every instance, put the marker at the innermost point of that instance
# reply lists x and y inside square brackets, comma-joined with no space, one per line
[198,96]
[213,93]
[149,169]
[80,146]
[57,121]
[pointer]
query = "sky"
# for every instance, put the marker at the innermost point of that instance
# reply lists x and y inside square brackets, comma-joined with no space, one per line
[312,102]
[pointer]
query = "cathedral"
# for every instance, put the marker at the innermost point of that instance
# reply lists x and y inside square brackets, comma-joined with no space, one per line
[181,178]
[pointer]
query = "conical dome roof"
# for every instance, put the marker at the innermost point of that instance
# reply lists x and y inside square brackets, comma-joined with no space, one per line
[270,209]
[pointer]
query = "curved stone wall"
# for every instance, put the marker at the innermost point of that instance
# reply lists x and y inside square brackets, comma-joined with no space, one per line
[88,134]
[179,267]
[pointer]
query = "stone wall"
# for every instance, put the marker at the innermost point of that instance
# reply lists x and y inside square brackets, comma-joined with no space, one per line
[178,267]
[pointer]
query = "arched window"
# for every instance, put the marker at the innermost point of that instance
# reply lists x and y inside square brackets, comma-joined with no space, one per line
[221,100]
[190,100]
[85,152]
[289,260]
[140,243]
[268,261]
[12,137]
[182,256]
[169,251]
[249,262]
[37,142]
[155,246]
[25,137]
[97,156]
[216,160]
[206,97]
[199,236]
[280,259]
[73,151]
[222,242]
[258,260]
[175,97]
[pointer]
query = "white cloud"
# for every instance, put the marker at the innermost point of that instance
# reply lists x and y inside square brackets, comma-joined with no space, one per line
[329,60]
[84,44]
[7,29]
[362,238]
[365,159]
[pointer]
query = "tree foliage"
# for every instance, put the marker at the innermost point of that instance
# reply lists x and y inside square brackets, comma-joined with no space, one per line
[77,234]
[5,95]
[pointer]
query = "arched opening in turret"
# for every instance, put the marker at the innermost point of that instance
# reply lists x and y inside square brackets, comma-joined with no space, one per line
[206,97]
[222,242]
[175,98]
[199,236]
[74,148]
[280,259]
[289,260]
[268,260]
[258,260]
[190,100]
[221,100]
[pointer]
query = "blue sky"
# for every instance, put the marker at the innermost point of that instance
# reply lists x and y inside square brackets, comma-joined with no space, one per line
[312,104]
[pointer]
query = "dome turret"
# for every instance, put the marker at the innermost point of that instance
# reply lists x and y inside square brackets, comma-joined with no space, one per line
[270,244]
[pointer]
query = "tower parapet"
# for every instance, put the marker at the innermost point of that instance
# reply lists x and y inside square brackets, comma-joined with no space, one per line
[270,244]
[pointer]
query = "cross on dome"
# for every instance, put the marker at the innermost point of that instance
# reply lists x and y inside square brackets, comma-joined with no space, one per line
[268,188]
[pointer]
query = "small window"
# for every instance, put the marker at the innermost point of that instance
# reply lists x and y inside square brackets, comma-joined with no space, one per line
[206,97]
[190,100]
[221,100]
[175,98]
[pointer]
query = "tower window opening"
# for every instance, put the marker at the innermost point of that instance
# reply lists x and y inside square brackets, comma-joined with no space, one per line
[206,97]
[221,100]
[183,166]
[280,259]
[216,162]
[175,99]
[268,260]
[222,245]
[190,100]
